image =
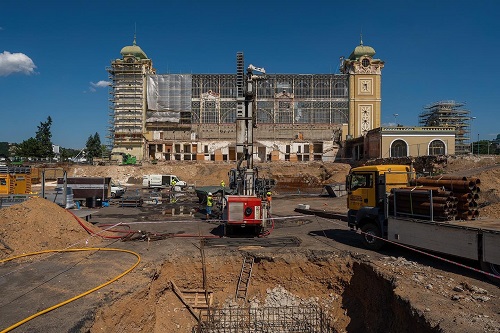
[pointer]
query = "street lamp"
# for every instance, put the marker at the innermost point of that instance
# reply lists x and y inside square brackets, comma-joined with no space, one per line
[396,119]
[471,138]
[477,144]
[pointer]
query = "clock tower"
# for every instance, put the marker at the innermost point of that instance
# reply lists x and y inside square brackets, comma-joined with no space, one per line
[364,89]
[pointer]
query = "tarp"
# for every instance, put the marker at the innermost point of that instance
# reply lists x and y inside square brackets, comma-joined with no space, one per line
[168,95]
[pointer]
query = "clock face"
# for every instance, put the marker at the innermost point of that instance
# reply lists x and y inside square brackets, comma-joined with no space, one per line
[365,62]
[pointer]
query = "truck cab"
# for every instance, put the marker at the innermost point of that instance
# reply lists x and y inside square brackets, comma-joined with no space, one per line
[367,190]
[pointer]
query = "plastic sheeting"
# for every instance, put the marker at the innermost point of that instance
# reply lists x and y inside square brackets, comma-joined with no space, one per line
[168,95]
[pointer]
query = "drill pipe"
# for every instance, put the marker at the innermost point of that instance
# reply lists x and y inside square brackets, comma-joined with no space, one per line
[444,177]
[448,184]
[422,192]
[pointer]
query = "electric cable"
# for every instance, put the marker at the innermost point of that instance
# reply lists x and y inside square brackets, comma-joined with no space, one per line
[25,320]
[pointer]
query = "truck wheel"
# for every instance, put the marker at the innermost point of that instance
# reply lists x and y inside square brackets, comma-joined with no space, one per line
[369,231]
[493,269]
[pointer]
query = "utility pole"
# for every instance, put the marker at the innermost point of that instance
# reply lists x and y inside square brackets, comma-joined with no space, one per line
[478,144]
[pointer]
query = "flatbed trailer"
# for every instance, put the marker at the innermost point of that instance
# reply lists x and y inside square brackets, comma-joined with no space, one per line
[476,239]
[384,207]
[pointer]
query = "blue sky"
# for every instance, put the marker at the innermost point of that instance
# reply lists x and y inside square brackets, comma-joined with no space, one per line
[54,54]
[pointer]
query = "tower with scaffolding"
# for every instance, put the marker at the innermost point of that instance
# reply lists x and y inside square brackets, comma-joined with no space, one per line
[127,100]
[450,114]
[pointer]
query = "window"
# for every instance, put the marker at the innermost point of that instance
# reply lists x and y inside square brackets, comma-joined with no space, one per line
[399,149]
[361,180]
[437,147]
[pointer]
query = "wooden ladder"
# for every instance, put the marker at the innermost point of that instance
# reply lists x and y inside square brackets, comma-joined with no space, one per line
[244,280]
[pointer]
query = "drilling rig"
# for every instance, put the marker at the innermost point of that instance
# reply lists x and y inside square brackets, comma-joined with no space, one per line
[246,209]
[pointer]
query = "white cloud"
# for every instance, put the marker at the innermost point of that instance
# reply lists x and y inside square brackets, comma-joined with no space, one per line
[100,84]
[16,63]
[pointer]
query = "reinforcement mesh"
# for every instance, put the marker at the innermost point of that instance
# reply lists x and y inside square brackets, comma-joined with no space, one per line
[289,319]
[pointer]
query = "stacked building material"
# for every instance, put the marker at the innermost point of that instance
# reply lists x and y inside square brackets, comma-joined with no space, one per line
[466,190]
[427,202]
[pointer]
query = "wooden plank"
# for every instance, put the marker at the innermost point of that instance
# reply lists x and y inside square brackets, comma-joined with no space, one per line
[183,300]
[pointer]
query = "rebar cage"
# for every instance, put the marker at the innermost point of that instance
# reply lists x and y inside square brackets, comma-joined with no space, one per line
[290,319]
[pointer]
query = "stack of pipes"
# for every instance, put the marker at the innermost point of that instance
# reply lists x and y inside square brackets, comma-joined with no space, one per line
[466,190]
[416,201]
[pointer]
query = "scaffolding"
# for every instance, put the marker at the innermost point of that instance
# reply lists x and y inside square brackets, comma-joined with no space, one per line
[127,100]
[450,114]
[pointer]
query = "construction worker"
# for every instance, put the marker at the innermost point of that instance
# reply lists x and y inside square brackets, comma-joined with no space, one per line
[172,185]
[210,203]
[222,183]
[268,200]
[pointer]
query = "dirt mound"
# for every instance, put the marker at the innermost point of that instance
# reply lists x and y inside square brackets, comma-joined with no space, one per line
[211,173]
[38,225]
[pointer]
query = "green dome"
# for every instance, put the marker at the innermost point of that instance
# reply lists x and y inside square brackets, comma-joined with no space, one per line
[362,50]
[134,50]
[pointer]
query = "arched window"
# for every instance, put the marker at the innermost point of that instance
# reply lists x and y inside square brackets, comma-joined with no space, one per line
[437,147]
[399,148]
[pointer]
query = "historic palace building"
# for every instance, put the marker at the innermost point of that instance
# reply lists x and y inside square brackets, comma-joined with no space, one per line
[299,117]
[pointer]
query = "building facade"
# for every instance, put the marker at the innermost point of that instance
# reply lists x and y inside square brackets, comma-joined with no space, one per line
[299,117]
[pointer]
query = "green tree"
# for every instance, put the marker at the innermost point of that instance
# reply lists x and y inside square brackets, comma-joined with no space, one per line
[4,149]
[66,153]
[28,148]
[93,147]
[41,145]
[44,136]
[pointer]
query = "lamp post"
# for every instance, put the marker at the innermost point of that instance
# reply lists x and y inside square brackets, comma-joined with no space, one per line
[477,144]
[471,137]
[396,119]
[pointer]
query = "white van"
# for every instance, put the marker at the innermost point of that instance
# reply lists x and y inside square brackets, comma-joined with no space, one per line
[161,181]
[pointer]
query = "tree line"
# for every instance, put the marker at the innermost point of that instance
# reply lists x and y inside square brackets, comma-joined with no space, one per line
[40,146]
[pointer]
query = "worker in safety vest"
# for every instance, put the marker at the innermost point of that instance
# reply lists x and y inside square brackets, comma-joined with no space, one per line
[210,203]
[172,185]
[268,200]
[222,183]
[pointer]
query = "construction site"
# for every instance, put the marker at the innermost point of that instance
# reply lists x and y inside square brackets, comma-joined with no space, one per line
[450,114]
[160,266]
[247,203]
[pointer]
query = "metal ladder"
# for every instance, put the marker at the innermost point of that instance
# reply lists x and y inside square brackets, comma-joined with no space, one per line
[244,280]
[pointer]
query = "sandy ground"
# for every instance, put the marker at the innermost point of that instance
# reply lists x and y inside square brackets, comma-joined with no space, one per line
[329,267]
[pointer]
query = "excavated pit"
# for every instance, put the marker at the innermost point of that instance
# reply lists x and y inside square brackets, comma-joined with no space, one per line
[292,293]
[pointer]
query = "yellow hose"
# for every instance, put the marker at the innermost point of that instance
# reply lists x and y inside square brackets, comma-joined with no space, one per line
[25,320]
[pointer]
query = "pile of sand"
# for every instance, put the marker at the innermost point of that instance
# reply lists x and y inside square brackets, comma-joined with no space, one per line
[37,225]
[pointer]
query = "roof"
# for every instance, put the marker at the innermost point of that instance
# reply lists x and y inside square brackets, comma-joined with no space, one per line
[362,50]
[133,50]
[383,168]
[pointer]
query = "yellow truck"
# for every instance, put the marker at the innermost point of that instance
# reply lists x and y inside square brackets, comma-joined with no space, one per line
[385,208]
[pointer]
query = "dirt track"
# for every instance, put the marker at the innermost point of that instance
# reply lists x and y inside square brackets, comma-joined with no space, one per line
[357,287]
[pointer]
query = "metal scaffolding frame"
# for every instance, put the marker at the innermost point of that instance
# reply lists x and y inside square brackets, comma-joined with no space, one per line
[450,114]
[127,100]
